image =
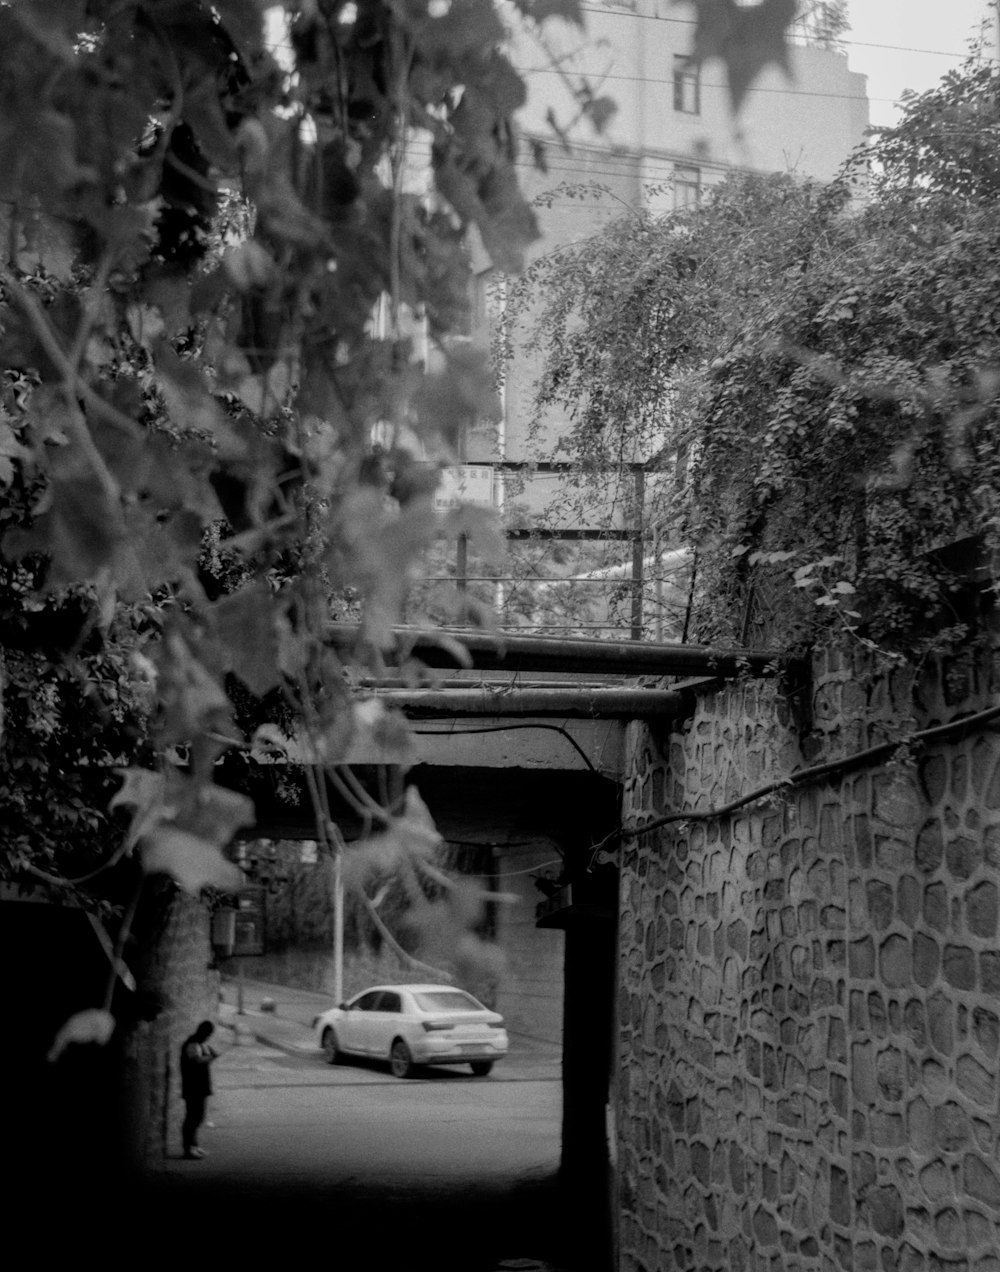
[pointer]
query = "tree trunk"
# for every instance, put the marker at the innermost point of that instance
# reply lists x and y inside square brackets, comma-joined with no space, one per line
[178,987]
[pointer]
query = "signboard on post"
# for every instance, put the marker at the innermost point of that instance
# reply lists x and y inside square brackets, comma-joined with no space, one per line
[224,931]
[248,924]
[238,928]
[464,484]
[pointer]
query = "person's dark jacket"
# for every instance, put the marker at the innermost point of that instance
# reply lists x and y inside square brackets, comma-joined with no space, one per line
[196,1072]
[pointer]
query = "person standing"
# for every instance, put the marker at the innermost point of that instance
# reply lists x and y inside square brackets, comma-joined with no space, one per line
[196,1085]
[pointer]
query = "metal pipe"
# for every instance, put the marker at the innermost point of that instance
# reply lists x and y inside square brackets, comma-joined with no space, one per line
[503,652]
[567,466]
[607,580]
[592,534]
[591,704]
[462,562]
[499,485]
[543,628]
[488,686]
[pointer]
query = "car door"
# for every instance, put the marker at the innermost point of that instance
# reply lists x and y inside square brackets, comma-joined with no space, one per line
[353,1031]
[384,1022]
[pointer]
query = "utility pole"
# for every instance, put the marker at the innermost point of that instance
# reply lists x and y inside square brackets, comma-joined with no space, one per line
[338,923]
[335,843]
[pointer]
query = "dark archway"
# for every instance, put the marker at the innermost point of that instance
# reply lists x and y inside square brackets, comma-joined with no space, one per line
[563,1220]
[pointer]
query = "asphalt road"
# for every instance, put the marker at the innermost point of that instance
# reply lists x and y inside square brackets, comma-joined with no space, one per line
[346,1164]
[279,1116]
[287,1024]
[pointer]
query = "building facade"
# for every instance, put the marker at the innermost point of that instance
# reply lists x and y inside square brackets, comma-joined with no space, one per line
[671,135]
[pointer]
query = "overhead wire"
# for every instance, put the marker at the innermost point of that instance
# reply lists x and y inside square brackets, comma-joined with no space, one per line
[864,44]
[542,865]
[649,79]
[787,91]
[645,79]
[706,164]
[606,155]
[873,755]
[509,728]
[284,46]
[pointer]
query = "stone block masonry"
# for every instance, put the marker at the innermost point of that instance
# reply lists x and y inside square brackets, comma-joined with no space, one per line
[809,989]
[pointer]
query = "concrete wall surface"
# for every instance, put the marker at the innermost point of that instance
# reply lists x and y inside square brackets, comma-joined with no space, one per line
[809,1053]
[530,992]
[805,121]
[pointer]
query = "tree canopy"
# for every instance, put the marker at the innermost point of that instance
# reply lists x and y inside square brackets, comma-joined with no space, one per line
[234,252]
[812,370]
[235,249]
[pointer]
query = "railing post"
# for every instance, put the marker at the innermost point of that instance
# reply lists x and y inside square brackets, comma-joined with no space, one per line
[637,555]
[462,562]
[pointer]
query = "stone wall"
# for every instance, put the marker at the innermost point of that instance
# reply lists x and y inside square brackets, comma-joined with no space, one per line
[808,1073]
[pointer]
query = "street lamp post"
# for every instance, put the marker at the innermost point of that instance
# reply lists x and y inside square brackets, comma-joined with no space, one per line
[338,925]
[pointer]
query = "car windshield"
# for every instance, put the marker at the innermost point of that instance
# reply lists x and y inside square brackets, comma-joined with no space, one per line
[446,1000]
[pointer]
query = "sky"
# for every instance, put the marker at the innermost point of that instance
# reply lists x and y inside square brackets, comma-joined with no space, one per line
[900,26]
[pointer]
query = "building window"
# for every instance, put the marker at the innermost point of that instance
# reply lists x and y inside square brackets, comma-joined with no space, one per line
[687,86]
[687,185]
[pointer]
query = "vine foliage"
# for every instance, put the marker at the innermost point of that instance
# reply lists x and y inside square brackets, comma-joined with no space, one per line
[810,374]
[234,252]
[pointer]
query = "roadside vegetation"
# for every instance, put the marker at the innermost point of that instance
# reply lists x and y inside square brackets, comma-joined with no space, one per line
[811,374]
[229,381]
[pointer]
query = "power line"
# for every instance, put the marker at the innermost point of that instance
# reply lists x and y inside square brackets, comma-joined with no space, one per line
[663,170]
[638,167]
[649,17]
[643,79]
[861,44]
[510,728]
[635,167]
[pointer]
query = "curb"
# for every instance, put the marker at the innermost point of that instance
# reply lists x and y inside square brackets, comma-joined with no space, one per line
[252,1028]
[241,1032]
[290,1048]
[244,1032]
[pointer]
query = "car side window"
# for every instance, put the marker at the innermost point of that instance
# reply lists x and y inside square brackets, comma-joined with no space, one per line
[368,1002]
[390,1002]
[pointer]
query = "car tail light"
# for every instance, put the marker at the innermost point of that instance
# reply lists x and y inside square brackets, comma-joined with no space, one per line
[431,1025]
[495,1024]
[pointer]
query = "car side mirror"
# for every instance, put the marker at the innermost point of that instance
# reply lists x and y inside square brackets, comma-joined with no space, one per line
[344,1006]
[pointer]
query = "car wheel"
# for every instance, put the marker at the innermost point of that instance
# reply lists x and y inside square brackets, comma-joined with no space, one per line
[400,1060]
[331,1048]
[480,1068]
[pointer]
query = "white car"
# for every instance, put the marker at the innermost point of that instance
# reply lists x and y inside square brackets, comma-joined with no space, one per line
[414,1025]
